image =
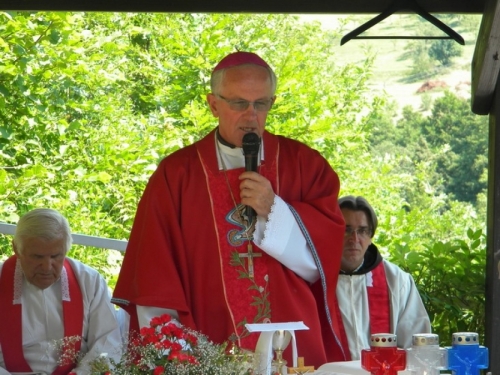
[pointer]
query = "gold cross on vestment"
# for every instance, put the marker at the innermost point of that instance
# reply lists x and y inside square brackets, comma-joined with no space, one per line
[250,255]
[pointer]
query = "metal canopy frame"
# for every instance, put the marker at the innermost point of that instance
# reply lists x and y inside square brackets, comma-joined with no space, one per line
[403,5]
[485,98]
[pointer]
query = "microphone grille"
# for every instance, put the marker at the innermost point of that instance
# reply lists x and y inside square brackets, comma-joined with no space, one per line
[251,143]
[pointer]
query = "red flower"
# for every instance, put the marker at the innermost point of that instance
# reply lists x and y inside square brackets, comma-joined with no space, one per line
[165,318]
[170,342]
[176,347]
[148,331]
[160,320]
[191,339]
[181,357]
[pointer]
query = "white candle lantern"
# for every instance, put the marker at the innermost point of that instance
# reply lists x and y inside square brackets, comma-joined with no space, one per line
[425,357]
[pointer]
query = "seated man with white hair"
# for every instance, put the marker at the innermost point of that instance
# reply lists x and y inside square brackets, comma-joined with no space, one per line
[47,299]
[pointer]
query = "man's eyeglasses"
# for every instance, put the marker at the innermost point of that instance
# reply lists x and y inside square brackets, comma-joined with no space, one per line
[362,232]
[241,105]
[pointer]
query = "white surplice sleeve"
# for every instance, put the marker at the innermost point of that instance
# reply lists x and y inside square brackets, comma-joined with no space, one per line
[409,315]
[281,237]
[102,332]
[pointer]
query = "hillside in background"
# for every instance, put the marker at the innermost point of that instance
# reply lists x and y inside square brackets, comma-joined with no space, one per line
[395,60]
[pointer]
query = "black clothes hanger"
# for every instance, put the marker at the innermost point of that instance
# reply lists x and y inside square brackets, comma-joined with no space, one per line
[399,5]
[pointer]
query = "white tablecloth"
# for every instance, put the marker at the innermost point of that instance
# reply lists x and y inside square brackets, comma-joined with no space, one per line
[345,368]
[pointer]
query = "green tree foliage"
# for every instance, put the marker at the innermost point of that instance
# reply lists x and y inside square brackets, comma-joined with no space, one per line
[430,57]
[435,230]
[452,123]
[91,102]
[450,276]
[452,139]
[422,67]
[444,50]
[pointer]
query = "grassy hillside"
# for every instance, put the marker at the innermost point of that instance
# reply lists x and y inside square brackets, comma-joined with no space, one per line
[393,57]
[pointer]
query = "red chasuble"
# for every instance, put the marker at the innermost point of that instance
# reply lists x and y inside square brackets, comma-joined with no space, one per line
[186,237]
[11,323]
[247,297]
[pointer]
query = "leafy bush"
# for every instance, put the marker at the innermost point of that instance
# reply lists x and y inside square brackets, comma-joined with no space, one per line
[451,279]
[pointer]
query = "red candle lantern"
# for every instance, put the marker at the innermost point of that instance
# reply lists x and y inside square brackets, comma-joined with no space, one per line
[383,357]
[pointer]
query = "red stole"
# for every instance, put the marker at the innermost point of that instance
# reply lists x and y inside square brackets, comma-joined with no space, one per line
[378,301]
[378,304]
[247,300]
[11,323]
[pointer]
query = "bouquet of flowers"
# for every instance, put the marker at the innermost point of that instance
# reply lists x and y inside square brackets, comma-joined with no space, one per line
[167,348]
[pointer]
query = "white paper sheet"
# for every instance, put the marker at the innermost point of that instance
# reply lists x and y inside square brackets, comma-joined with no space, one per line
[268,327]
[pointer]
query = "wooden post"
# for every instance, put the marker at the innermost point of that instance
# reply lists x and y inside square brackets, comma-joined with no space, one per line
[492,307]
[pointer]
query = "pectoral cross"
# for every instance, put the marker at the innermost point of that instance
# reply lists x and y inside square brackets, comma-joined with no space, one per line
[250,255]
[300,369]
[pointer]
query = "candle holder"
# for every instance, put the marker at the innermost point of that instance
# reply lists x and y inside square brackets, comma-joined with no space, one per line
[383,357]
[466,356]
[425,357]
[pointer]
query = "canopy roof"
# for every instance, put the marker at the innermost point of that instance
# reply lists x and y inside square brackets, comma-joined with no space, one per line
[484,71]
[238,6]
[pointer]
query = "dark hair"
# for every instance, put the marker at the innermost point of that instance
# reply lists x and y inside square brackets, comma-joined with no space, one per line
[350,202]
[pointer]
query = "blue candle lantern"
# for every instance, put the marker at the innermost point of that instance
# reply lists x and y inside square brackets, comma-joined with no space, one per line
[425,357]
[466,356]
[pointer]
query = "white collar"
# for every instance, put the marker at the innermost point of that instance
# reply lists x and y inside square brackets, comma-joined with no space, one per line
[19,278]
[233,157]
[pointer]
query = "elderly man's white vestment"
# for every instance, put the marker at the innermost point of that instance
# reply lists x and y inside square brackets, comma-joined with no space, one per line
[42,320]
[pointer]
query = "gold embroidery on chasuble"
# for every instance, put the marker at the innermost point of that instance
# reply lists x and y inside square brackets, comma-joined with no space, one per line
[247,297]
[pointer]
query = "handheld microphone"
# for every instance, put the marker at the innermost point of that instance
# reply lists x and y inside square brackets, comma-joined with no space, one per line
[251,147]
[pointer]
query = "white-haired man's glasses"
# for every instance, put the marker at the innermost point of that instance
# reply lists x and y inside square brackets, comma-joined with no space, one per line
[241,105]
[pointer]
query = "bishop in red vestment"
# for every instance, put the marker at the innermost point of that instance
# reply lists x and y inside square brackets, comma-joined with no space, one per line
[193,252]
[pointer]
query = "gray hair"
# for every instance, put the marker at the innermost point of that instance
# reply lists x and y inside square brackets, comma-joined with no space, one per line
[43,223]
[218,76]
[350,202]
